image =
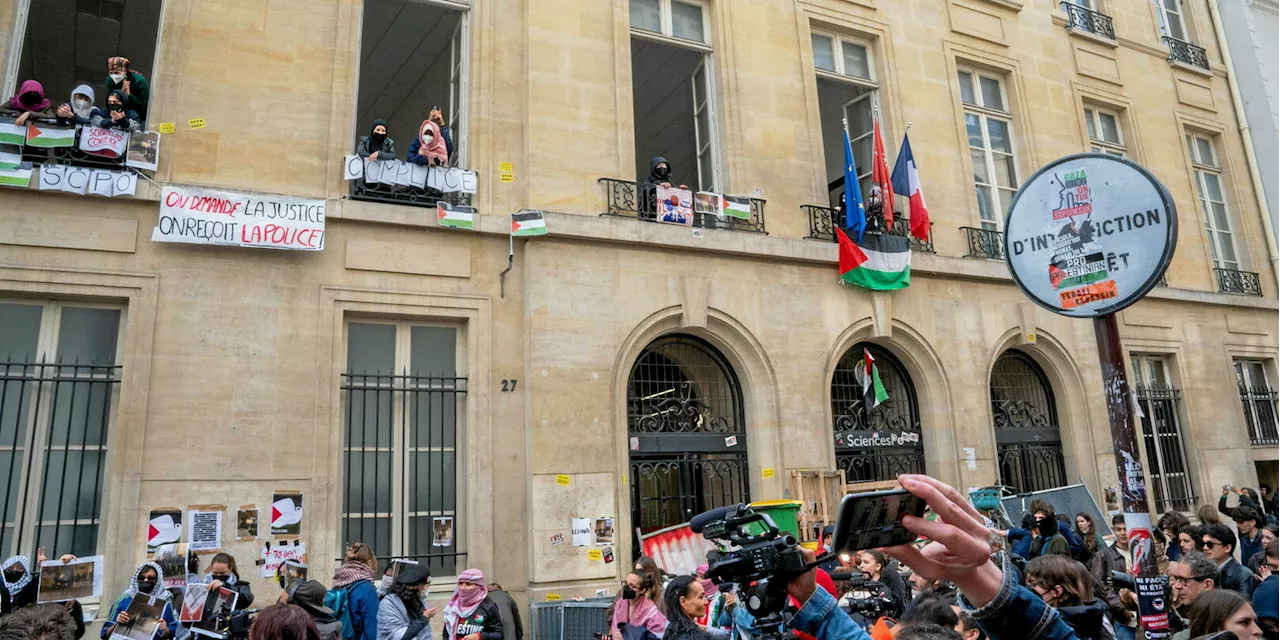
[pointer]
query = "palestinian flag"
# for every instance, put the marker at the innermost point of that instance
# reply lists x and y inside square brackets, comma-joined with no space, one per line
[10,157]
[736,206]
[868,375]
[882,262]
[12,134]
[455,216]
[528,223]
[48,137]
[15,177]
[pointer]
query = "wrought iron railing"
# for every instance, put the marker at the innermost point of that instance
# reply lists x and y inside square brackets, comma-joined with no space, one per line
[1159,415]
[1260,415]
[1245,283]
[71,155]
[1186,53]
[629,199]
[401,439]
[984,243]
[412,196]
[822,227]
[1085,19]
[54,424]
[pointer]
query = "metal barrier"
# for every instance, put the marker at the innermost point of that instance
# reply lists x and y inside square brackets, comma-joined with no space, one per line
[570,619]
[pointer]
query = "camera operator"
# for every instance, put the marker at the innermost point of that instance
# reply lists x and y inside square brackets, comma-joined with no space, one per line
[961,554]
[686,602]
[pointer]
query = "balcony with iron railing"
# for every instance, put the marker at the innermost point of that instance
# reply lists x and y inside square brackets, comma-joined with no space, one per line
[983,243]
[1186,53]
[822,226]
[1245,283]
[630,199]
[1260,415]
[409,195]
[1082,19]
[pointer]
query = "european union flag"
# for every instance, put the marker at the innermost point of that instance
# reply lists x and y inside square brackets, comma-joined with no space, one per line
[855,216]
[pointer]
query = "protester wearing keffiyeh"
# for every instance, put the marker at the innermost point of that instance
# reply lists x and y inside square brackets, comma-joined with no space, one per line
[470,614]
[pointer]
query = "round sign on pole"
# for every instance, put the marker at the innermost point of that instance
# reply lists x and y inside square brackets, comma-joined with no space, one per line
[1090,234]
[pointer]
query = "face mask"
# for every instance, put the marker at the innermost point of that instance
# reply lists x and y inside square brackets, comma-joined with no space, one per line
[386,582]
[663,172]
[81,103]
[30,98]
[146,585]
[13,576]
[428,136]
[628,593]
[117,77]
[221,577]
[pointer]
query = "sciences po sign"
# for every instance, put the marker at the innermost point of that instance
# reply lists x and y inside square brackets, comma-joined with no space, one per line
[1090,234]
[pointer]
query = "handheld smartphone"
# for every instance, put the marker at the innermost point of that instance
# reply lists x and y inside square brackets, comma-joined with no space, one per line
[874,519]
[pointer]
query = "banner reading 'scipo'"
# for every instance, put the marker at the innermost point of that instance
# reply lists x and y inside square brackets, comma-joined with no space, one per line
[205,216]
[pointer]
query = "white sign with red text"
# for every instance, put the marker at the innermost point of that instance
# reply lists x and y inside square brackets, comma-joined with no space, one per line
[109,143]
[205,216]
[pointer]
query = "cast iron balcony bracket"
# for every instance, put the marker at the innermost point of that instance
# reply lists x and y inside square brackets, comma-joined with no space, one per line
[1084,19]
[984,243]
[1245,283]
[1186,53]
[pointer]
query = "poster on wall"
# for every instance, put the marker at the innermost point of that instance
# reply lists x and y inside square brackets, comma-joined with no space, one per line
[286,513]
[247,522]
[164,526]
[195,215]
[205,529]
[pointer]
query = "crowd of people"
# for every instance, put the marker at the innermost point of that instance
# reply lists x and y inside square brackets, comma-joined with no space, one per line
[127,96]
[359,605]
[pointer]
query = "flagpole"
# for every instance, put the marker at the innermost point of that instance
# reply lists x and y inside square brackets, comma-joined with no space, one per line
[511,254]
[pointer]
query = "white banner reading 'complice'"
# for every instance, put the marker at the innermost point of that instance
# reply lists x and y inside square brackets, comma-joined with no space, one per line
[205,216]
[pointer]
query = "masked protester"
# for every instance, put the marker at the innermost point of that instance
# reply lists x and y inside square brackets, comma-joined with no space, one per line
[117,115]
[376,145]
[470,614]
[635,607]
[431,147]
[145,584]
[28,101]
[659,176]
[80,109]
[121,77]
[223,574]
[403,614]
[18,590]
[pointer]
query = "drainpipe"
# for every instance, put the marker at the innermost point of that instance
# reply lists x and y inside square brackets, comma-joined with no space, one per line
[1250,158]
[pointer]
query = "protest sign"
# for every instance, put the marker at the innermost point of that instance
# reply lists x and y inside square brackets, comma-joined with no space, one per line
[144,617]
[144,150]
[442,531]
[581,531]
[292,572]
[205,216]
[247,522]
[193,600]
[407,174]
[205,530]
[80,180]
[223,604]
[164,526]
[174,564]
[675,206]
[273,556]
[286,514]
[108,143]
[80,578]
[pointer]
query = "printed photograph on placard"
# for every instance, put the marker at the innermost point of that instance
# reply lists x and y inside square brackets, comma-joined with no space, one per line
[292,573]
[604,530]
[175,563]
[61,582]
[193,599]
[247,523]
[442,531]
[144,150]
[675,206]
[144,619]
[286,514]
[223,603]
[707,203]
[398,565]
[164,526]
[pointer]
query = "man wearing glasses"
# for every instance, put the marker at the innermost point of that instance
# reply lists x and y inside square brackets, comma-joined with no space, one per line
[1218,542]
[1191,575]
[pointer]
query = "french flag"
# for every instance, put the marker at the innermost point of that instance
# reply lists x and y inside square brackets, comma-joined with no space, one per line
[906,182]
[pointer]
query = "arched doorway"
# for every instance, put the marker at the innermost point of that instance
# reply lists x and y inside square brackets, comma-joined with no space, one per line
[880,443]
[1028,443]
[686,433]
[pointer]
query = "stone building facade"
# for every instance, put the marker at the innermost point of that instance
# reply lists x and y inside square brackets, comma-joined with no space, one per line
[620,368]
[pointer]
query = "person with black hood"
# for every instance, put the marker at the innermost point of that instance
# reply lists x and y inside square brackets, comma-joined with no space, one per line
[659,176]
[402,614]
[146,583]
[117,115]
[310,596]
[376,145]
[1065,585]
[121,77]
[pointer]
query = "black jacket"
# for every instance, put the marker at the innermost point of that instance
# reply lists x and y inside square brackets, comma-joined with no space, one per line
[1105,561]
[512,626]
[1087,620]
[485,620]
[1238,578]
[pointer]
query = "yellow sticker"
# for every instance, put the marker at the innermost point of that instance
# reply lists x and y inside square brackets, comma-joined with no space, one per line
[196,123]
[562,480]
[553,597]
[594,555]
[506,177]
[768,473]
[504,167]
[165,127]
[624,478]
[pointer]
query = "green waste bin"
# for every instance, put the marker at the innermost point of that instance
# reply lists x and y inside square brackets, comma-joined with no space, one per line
[785,514]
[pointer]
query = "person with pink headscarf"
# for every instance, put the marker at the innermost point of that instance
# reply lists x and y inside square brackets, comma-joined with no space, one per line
[28,100]
[470,614]
[430,148]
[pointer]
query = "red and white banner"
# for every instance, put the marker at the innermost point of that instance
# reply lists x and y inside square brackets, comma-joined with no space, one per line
[108,143]
[205,216]
[678,550]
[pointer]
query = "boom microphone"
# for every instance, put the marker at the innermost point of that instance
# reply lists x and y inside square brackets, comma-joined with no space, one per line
[720,513]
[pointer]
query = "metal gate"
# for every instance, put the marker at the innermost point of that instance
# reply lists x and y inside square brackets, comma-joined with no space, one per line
[1028,443]
[881,443]
[686,433]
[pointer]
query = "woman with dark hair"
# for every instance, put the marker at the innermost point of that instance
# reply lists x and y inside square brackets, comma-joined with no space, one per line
[1088,532]
[402,614]
[1171,523]
[283,622]
[635,607]
[223,573]
[1066,585]
[877,567]
[686,602]
[1223,610]
[649,567]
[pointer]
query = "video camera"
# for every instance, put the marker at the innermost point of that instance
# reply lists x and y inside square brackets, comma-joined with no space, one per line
[879,601]
[761,564]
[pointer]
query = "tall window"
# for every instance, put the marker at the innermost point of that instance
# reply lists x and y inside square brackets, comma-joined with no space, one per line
[1104,131]
[67,43]
[673,91]
[414,58]
[882,441]
[1172,22]
[58,392]
[1258,397]
[989,125]
[1213,204]
[1159,406]
[403,407]
[847,93]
